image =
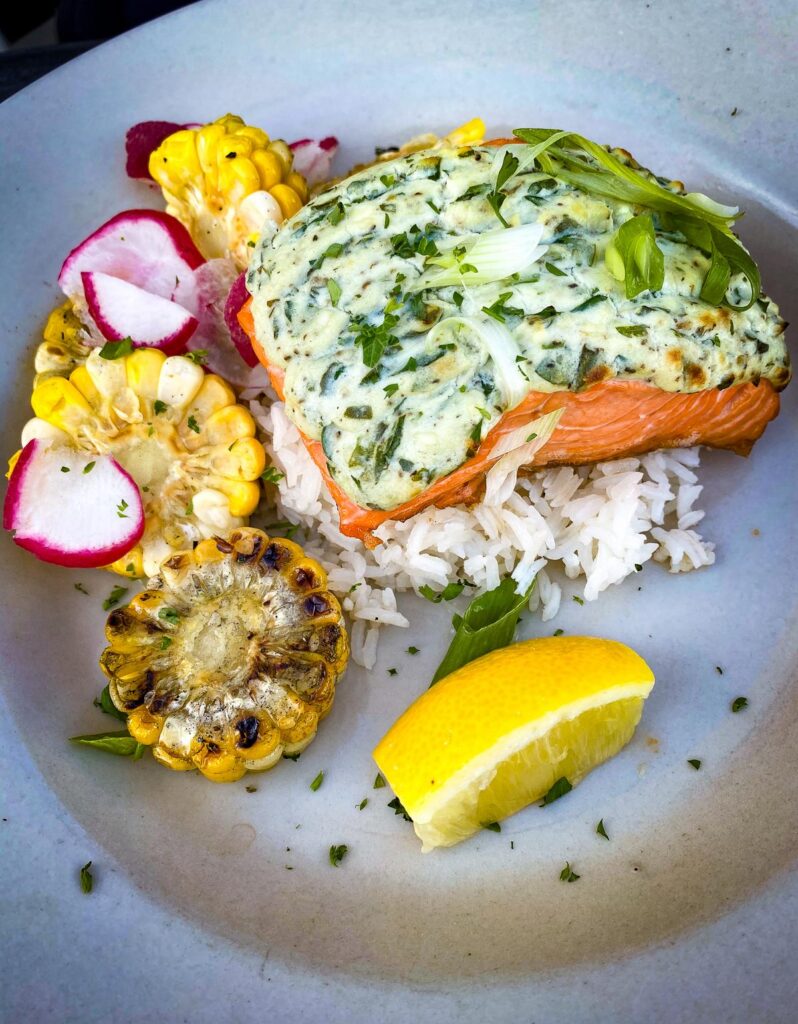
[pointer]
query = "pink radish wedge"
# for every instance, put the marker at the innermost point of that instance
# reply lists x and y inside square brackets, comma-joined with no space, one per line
[71,508]
[236,298]
[143,247]
[122,310]
[312,158]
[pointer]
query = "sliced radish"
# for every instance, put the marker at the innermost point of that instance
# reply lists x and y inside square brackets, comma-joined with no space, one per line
[146,248]
[141,140]
[236,298]
[122,310]
[313,158]
[71,508]
[214,281]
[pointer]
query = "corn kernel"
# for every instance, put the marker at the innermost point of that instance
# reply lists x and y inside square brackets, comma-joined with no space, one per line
[270,169]
[298,184]
[245,459]
[243,496]
[288,200]
[144,727]
[228,424]
[144,368]
[60,403]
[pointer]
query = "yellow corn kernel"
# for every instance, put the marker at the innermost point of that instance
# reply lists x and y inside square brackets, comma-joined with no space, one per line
[144,727]
[177,764]
[298,184]
[471,131]
[207,141]
[62,321]
[175,161]
[129,565]
[238,176]
[287,199]
[60,403]
[228,424]
[220,767]
[12,462]
[81,378]
[266,743]
[144,371]
[231,122]
[260,140]
[269,166]
[243,495]
[207,551]
[245,459]
[283,152]
[214,394]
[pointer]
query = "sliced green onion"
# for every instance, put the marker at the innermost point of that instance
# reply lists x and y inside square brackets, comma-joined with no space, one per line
[491,256]
[516,449]
[634,257]
[488,623]
[498,342]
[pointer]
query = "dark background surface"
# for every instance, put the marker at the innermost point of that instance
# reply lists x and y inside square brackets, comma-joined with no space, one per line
[42,34]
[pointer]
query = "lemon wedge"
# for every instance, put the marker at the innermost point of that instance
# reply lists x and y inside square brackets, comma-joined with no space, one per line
[496,734]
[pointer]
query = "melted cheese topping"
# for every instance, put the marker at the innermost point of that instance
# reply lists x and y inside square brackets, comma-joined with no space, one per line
[401,385]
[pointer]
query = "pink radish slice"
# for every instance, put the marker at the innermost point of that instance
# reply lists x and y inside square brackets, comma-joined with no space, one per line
[122,310]
[141,140]
[146,248]
[214,281]
[70,508]
[313,158]
[236,298]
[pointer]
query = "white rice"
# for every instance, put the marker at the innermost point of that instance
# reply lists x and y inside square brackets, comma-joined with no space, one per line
[598,523]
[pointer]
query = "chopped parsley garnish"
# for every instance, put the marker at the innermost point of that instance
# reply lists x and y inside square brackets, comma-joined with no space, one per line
[553,269]
[596,297]
[86,879]
[337,213]
[166,641]
[558,632]
[292,757]
[397,808]
[159,406]
[390,389]
[120,509]
[116,349]
[632,330]
[600,830]
[169,615]
[449,592]
[272,475]
[578,599]
[193,425]
[334,289]
[492,826]
[251,789]
[476,432]
[415,650]
[189,508]
[79,587]
[499,310]
[337,854]
[393,671]
[433,207]
[739,704]
[114,597]
[388,180]
[65,469]
[379,782]
[198,356]
[89,467]
[363,803]
[496,197]
[568,874]
[374,338]
[414,242]
[719,670]
[694,762]
[317,781]
[560,788]
[331,252]
[457,299]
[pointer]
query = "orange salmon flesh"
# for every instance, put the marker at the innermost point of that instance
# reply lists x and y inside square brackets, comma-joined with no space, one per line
[607,421]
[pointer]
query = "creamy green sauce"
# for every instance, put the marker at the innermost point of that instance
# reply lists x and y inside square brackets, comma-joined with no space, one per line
[333,290]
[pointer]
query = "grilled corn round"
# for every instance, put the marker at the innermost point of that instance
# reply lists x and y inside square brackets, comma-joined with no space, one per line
[230,657]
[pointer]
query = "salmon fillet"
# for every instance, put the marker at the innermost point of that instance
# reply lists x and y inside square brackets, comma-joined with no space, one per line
[612,419]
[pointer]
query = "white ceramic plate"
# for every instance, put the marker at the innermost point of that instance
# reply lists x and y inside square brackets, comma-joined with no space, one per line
[689,912]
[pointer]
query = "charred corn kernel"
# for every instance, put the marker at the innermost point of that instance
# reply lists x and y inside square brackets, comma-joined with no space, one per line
[288,200]
[60,403]
[244,459]
[171,426]
[208,174]
[224,661]
[144,727]
[144,368]
[81,379]
[64,346]
[243,496]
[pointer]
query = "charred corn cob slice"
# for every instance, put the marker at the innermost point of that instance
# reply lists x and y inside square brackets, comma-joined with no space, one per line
[177,430]
[225,181]
[230,657]
[66,345]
